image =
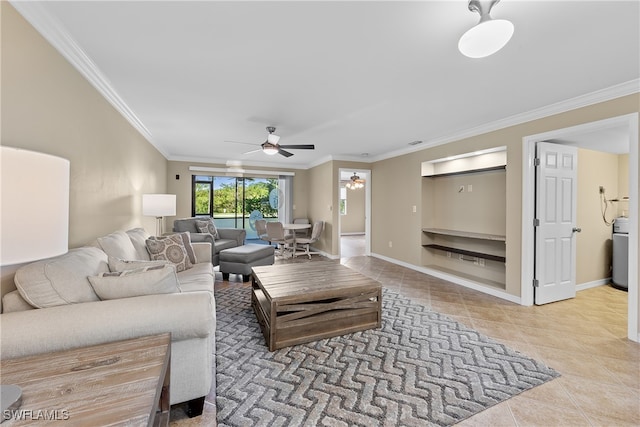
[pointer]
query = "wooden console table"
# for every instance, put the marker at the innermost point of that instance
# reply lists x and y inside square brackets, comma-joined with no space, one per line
[297,303]
[119,383]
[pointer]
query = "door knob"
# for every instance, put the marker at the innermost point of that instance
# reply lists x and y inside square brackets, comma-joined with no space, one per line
[576,229]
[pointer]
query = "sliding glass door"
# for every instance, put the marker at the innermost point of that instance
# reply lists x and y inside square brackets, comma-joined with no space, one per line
[237,202]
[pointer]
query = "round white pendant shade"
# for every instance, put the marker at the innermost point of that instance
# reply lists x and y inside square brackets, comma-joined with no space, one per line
[486,38]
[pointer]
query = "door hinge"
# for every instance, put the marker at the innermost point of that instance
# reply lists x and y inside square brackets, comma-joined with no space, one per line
[536,162]
[536,283]
[536,222]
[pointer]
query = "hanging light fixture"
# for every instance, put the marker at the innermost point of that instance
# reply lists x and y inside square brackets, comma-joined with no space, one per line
[355,182]
[489,35]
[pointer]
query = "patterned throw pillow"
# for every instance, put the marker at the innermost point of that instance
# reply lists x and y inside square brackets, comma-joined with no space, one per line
[170,248]
[208,227]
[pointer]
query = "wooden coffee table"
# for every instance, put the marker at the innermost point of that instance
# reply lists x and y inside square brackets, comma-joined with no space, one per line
[298,303]
[119,383]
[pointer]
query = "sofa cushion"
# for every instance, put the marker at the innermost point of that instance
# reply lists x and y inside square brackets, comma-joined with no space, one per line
[63,279]
[160,279]
[125,264]
[118,245]
[185,224]
[138,237]
[170,248]
[199,278]
[223,244]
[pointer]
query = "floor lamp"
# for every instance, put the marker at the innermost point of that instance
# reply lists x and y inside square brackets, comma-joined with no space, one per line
[159,205]
[34,218]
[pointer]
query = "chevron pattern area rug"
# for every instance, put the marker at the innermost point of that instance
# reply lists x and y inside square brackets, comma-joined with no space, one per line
[419,369]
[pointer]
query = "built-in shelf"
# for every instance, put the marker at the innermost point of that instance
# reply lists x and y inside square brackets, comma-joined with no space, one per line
[466,252]
[468,171]
[466,234]
[480,280]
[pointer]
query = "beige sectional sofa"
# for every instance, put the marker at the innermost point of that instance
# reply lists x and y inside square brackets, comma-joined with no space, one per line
[56,306]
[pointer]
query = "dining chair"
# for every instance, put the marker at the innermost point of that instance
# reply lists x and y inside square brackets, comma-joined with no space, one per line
[304,232]
[275,233]
[304,243]
[261,229]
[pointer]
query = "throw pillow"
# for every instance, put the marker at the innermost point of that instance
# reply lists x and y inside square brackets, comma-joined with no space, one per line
[208,227]
[170,248]
[116,264]
[160,279]
[118,245]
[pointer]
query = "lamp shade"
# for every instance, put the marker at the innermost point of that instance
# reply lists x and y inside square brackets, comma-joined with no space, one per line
[34,205]
[486,38]
[158,205]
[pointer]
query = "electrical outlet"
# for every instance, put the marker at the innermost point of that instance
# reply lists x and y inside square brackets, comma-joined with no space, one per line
[390,244]
[469,188]
[415,209]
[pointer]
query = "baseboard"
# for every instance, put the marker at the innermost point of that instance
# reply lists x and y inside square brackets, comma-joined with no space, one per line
[357,233]
[323,253]
[593,284]
[454,279]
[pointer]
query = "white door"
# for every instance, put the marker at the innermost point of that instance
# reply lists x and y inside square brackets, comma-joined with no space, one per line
[555,231]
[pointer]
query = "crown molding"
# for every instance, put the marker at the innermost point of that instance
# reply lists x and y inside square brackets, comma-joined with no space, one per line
[51,29]
[607,94]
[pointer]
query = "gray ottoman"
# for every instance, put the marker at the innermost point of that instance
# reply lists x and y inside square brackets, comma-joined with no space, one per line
[239,260]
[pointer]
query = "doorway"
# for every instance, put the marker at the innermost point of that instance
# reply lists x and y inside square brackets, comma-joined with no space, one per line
[629,124]
[354,223]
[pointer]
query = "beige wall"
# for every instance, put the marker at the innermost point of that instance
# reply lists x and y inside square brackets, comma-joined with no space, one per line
[593,253]
[47,106]
[393,220]
[353,221]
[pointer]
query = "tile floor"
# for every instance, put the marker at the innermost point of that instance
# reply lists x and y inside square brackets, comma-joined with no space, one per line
[582,338]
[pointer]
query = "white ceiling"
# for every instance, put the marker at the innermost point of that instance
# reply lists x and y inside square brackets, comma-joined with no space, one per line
[350,77]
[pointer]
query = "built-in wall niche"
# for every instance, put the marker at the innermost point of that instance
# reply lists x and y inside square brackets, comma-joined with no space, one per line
[464,216]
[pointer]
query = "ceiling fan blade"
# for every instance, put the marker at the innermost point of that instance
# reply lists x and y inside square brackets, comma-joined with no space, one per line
[300,146]
[253,151]
[240,142]
[284,153]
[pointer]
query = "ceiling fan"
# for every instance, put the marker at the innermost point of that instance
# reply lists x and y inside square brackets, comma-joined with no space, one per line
[271,146]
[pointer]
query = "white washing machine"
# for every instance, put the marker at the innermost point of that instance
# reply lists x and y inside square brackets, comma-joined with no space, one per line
[620,274]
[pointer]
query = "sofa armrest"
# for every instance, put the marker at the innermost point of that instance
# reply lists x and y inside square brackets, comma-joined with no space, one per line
[237,234]
[186,315]
[202,251]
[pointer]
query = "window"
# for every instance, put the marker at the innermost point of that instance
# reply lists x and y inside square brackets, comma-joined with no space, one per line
[236,202]
[343,200]
[202,201]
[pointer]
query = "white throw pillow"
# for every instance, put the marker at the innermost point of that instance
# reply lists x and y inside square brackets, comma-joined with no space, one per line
[124,264]
[161,279]
[118,245]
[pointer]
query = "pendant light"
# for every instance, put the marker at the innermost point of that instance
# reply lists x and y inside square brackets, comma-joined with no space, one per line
[489,35]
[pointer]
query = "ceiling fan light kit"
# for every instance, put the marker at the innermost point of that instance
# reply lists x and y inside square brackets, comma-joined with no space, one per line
[489,35]
[355,183]
[269,148]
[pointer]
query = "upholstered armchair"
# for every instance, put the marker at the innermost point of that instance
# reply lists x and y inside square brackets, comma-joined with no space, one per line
[222,238]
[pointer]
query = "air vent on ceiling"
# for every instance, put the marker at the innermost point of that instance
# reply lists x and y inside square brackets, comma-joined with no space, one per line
[415,142]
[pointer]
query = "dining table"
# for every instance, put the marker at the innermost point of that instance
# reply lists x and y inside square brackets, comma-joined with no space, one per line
[295,227]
